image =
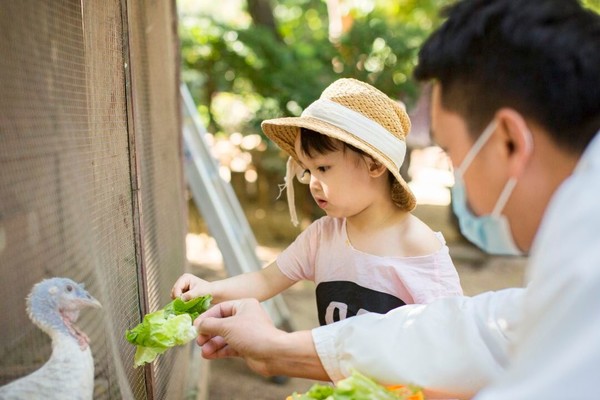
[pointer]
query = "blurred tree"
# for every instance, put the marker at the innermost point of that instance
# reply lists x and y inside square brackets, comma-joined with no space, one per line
[262,14]
[283,54]
[283,60]
[592,4]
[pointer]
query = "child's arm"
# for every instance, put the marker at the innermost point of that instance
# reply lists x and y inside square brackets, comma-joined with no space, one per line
[260,285]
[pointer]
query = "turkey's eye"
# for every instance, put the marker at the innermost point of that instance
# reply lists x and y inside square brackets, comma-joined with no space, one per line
[69,288]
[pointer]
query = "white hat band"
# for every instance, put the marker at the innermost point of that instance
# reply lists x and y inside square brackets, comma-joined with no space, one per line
[360,126]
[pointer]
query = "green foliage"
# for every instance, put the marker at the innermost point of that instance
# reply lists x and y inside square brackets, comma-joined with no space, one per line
[356,387]
[593,5]
[382,51]
[280,74]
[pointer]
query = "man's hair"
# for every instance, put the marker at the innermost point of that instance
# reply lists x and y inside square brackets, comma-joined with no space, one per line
[541,58]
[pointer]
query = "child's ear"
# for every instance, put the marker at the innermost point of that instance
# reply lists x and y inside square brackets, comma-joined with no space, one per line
[376,169]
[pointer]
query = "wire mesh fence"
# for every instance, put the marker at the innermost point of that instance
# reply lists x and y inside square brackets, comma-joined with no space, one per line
[91,178]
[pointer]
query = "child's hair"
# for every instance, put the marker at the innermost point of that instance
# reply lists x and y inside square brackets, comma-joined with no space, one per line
[313,141]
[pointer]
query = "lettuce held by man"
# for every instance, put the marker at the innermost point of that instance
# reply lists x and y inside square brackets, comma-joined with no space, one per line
[168,327]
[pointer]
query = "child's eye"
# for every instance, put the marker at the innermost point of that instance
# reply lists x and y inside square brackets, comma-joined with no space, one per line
[322,169]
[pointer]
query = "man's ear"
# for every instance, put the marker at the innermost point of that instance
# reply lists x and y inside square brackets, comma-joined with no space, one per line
[376,169]
[517,137]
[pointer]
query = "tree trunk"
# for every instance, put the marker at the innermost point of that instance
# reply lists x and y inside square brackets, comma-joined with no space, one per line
[261,12]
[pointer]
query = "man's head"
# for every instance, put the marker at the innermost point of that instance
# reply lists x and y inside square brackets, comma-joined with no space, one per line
[540,58]
[530,69]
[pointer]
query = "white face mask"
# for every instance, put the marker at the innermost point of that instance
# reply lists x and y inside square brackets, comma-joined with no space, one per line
[490,232]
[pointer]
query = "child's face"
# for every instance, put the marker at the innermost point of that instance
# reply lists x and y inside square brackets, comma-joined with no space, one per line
[339,180]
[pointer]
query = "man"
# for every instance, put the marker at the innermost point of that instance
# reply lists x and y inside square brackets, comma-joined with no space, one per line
[516,105]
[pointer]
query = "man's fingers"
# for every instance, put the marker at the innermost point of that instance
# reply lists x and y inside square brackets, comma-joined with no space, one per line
[209,326]
[219,327]
[211,323]
[216,347]
[211,353]
[221,310]
[213,344]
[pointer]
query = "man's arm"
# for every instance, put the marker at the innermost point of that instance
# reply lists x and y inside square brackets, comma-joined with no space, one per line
[453,346]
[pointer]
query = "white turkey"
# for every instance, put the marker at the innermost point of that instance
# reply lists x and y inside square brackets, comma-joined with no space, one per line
[54,305]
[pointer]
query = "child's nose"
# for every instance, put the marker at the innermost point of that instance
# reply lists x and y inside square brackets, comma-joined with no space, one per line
[314,182]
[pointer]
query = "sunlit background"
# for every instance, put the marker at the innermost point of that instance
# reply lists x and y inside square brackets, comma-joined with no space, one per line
[246,61]
[249,60]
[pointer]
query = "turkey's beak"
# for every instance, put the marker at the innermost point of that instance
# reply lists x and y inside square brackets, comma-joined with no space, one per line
[95,303]
[88,301]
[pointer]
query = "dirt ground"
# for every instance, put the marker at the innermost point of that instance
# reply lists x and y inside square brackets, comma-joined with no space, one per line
[231,379]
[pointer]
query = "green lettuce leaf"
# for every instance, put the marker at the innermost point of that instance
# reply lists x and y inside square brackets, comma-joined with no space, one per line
[355,387]
[171,326]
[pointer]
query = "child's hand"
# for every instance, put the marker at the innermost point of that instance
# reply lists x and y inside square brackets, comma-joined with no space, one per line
[189,287]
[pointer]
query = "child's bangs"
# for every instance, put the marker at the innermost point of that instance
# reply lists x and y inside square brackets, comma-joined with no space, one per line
[312,141]
[315,142]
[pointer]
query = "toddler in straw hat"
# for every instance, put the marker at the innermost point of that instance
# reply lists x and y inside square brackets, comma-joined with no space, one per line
[369,254]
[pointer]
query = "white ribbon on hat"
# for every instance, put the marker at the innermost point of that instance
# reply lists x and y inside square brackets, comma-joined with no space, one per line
[353,122]
[360,126]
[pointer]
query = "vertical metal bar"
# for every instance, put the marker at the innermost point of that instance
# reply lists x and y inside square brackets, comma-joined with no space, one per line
[135,171]
[220,208]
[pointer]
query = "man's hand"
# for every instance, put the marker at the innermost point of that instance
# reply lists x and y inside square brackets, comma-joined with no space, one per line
[239,328]
[242,328]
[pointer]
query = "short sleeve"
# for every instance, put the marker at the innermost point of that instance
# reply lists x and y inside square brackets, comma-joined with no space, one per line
[297,261]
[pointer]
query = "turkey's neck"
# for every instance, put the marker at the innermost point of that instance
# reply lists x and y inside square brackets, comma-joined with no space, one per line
[55,322]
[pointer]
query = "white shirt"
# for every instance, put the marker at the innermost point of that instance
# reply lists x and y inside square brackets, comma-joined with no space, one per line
[542,342]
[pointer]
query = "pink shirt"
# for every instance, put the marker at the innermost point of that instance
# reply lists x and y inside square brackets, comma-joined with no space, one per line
[350,282]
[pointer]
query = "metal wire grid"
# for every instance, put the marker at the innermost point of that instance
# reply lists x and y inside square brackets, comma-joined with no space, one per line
[67,207]
[156,120]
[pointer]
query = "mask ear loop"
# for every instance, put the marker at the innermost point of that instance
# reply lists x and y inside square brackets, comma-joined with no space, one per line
[483,138]
[503,199]
[291,170]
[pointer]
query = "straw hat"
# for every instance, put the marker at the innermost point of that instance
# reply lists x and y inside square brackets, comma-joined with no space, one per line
[360,115]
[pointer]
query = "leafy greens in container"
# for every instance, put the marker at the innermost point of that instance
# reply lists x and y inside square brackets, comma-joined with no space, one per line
[359,387]
[171,326]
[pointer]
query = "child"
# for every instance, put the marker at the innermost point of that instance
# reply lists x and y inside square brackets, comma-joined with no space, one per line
[369,254]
